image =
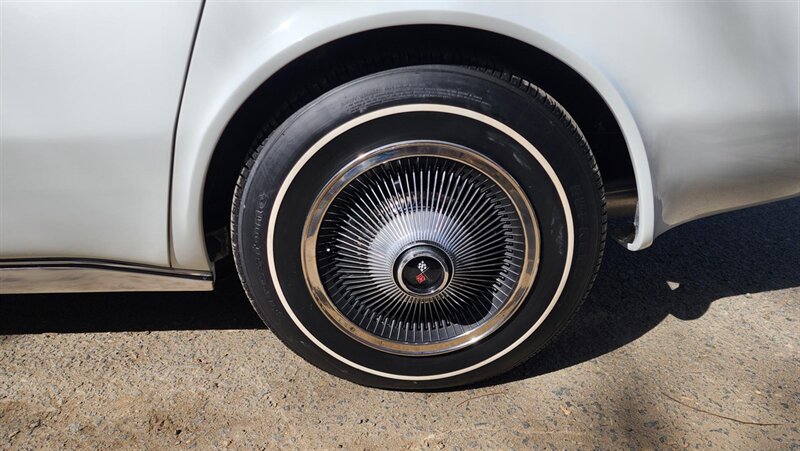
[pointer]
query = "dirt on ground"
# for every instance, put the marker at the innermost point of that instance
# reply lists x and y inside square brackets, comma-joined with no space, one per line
[692,344]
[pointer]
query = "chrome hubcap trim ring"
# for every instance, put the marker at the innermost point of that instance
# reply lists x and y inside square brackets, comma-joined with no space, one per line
[453,339]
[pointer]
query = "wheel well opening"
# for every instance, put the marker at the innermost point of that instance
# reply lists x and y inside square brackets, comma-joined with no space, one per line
[351,57]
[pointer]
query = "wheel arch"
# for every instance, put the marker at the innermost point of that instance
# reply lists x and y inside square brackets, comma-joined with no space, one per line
[215,132]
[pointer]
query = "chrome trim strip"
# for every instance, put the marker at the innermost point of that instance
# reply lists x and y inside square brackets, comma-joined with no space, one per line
[83,276]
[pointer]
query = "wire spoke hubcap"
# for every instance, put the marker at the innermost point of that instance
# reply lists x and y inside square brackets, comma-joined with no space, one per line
[420,248]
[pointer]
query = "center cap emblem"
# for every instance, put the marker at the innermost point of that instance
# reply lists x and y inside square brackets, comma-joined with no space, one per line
[422,270]
[421,276]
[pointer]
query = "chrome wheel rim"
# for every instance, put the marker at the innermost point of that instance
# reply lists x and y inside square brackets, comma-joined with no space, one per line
[420,248]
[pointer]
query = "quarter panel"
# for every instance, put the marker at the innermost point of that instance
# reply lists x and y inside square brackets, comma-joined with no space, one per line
[229,62]
[714,90]
[706,94]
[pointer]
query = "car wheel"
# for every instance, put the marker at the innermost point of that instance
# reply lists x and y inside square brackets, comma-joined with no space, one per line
[422,227]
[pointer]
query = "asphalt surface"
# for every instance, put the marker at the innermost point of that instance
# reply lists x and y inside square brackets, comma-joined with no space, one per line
[694,343]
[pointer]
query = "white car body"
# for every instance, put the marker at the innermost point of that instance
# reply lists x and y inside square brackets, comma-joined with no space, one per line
[110,112]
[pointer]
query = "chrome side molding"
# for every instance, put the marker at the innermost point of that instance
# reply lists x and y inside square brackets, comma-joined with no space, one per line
[83,276]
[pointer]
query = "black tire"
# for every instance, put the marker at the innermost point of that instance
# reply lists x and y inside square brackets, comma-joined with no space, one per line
[283,179]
